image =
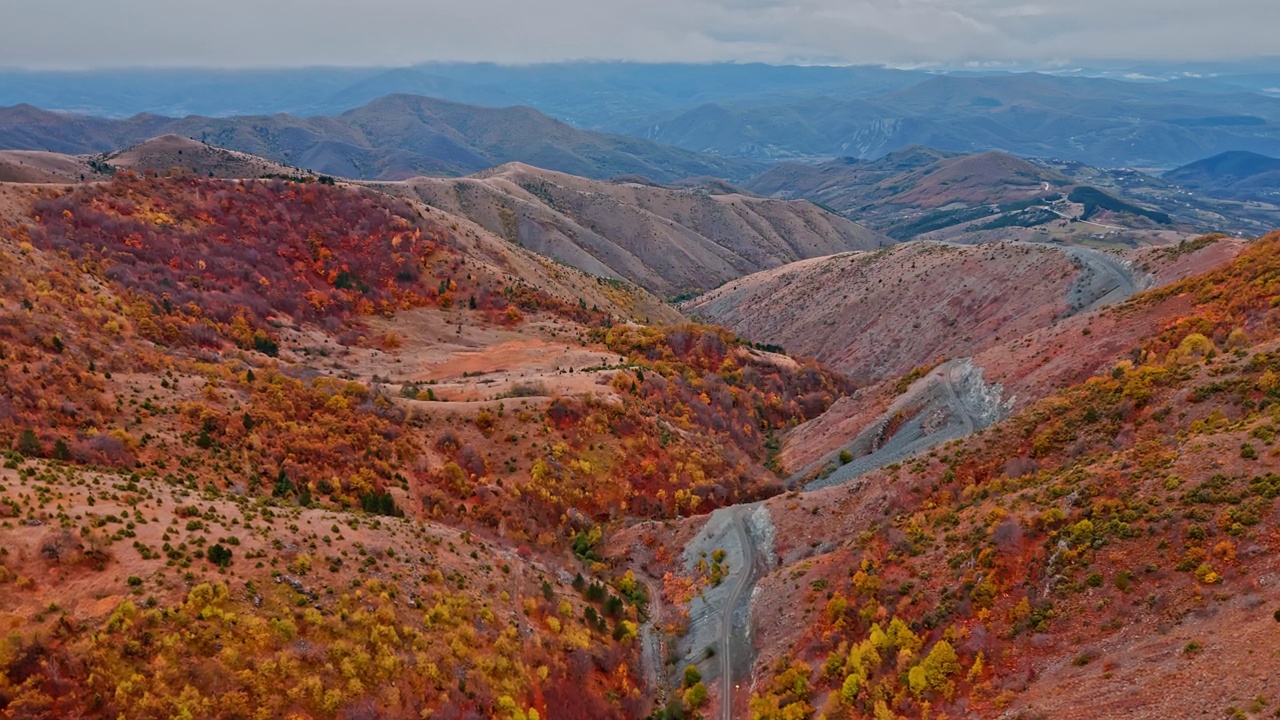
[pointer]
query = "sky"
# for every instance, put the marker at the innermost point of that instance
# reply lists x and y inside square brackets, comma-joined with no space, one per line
[287,33]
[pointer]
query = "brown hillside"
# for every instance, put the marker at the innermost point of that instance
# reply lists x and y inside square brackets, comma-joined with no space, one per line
[668,241]
[167,153]
[982,179]
[849,310]
[35,166]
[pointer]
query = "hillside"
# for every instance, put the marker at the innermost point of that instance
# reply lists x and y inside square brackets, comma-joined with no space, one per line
[847,310]
[1005,305]
[840,182]
[1235,175]
[391,138]
[364,456]
[1082,552]
[38,166]
[350,448]
[918,193]
[671,242]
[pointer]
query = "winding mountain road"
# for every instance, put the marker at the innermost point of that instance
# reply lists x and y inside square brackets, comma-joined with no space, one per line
[1104,279]
[742,582]
[651,647]
[952,402]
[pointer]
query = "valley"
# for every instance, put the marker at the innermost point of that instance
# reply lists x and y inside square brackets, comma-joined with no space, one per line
[424,409]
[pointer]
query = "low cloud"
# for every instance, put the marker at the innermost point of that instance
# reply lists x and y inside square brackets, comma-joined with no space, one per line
[244,33]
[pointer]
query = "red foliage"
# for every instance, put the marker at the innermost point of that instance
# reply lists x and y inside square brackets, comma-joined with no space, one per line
[222,257]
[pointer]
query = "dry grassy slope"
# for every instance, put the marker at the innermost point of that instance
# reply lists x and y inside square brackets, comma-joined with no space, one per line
[169,152]
[669,241]
[918,178]
[878,315]
[983,179]
[618,297]
[38,166]
[848,310]
[1067,352]
[792,179]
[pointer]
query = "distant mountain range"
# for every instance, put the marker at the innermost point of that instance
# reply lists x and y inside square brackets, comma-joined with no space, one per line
[597,95]
[1123,115]
[911,192]
[391,138]
[1096,121]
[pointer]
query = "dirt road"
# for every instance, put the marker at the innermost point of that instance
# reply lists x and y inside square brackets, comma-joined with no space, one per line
[742,582]
[652,656]
[1104,280]
[948,403]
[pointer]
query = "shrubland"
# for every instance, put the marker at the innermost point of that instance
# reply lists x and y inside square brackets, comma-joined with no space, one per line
[209,513]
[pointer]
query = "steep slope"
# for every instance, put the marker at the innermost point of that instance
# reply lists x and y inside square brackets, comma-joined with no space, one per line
[669,241]
[393,137]
[1095,551]
[1237,175]
[848,310]
[985,334]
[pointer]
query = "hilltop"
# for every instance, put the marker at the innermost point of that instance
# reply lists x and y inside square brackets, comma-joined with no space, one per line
[38,166]
[167,153]
[1234,175]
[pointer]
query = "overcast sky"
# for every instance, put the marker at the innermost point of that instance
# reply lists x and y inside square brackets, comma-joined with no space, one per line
[240,33]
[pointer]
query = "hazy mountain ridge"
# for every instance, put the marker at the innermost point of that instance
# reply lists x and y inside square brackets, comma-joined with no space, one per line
[1092,120]
[753,110]
[391,138]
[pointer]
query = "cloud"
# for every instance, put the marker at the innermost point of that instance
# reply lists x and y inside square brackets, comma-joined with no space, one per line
[241,33]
